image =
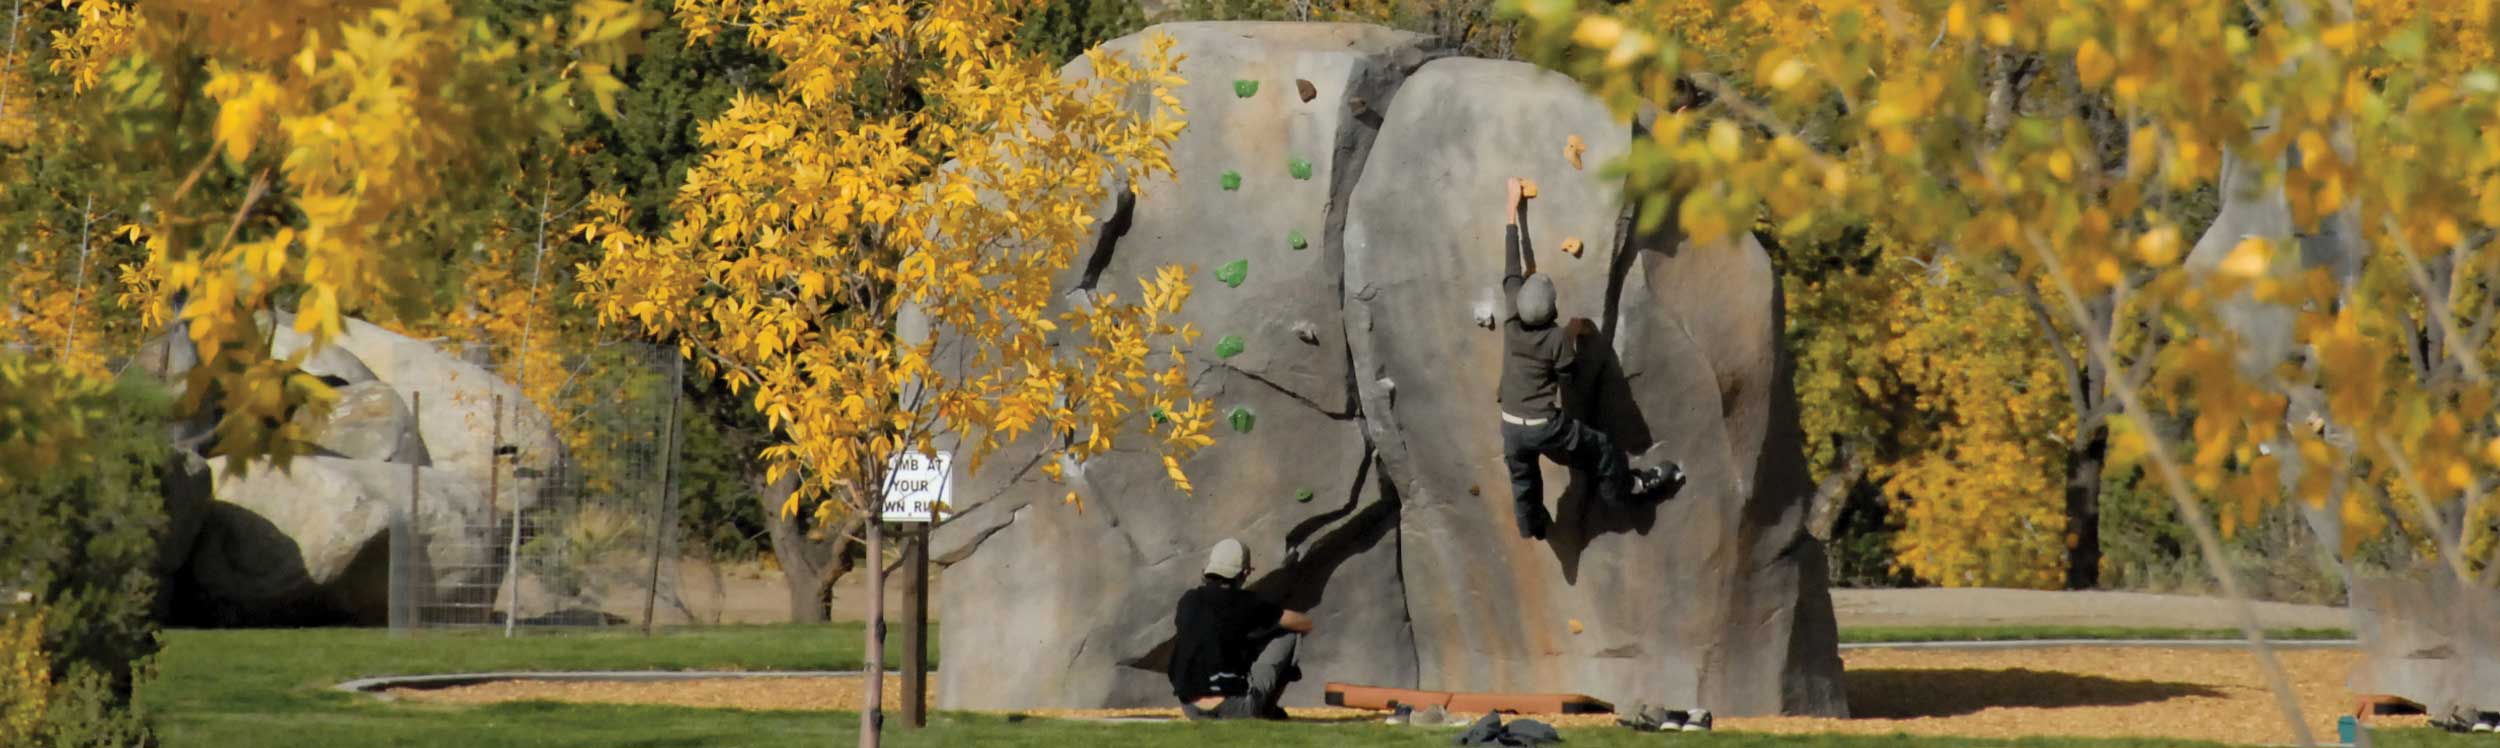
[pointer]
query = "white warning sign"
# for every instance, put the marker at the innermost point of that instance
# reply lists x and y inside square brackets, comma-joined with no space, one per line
[918,487]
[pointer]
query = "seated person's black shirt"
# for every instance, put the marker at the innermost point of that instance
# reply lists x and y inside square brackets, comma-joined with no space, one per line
[1220,631]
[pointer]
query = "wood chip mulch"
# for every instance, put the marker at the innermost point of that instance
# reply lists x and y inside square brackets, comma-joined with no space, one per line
[2196,694]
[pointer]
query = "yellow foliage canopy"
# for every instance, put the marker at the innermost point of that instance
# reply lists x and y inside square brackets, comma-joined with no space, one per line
[867,251]
[2054,139]
[343,123]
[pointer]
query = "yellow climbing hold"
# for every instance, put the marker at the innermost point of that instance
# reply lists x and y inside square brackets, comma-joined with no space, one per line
[1527,187]
[1575,626]
[1571,246]
[1573,149]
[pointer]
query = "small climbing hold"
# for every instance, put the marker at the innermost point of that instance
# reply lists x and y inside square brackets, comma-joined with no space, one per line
[1245,88]
[1527,187]
[1157,415]
[1474,490]
[1572,150]
[1575,626]
[1233,272]
[1305,88]
[1295,239]
[1571,246]
[1229,347]
[1358,104]
[1242,419]
[1303,495]
[1299,168]
[1232,180]
[1309,333]
[1483,314]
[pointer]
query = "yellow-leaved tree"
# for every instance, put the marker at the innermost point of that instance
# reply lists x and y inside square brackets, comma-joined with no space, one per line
[310,153]
[909,164]
[2336,357]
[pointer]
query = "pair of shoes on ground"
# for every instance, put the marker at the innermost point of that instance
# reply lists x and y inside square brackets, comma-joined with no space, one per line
[2475,722]
[1431,716]
[1647,718]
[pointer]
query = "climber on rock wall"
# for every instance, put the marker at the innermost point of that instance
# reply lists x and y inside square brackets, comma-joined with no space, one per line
[1536,356]
[1233,653]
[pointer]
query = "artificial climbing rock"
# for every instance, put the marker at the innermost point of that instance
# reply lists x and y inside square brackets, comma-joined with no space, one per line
[1694,373]
[1095,588]
[1715,598]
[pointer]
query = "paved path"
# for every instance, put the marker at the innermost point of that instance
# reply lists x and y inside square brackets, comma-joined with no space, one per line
[1999,607]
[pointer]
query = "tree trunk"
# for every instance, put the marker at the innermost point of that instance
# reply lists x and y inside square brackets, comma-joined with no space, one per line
[872,714]
[808,567]
[2083,507]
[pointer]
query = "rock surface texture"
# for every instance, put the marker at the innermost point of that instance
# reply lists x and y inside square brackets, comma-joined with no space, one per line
[310,544]
[1371,387]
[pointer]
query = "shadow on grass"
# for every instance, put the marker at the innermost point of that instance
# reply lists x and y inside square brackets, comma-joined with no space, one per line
[1914,693]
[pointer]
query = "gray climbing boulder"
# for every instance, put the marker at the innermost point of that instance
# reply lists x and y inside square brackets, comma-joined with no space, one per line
[1100,583]
[2428,639]
[309,544]
[1717,597]
[1368,383]
[456,407]
[368,422]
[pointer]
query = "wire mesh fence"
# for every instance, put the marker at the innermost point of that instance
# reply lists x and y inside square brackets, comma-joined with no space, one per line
[576,525]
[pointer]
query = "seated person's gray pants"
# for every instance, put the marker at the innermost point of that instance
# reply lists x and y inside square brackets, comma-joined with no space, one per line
[1279,665]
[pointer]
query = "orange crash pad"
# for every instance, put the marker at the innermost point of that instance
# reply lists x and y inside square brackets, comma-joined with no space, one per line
[1376,697]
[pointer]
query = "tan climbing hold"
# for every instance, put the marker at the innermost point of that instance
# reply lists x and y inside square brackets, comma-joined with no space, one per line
[1573,149]
[1527,187]
[1571,246]
[1575,625]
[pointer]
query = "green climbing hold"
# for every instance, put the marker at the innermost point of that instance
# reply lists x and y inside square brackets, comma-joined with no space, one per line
[1301,169]
[1233,272]
[1229,347]
[1157,415]
[1294,238]
[1245,88]
[1232,180]
[1303,495]
[1241,419]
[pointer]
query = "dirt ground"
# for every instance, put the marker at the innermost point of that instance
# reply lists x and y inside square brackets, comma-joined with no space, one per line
[2200,694]
[1997,607]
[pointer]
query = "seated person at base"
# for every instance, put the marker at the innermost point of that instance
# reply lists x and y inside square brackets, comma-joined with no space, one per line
[1233,654]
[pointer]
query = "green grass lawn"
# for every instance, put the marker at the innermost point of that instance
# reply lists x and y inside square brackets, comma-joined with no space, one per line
[231,689]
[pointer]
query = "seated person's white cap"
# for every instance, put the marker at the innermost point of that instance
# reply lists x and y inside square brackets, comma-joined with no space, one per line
[1227,559]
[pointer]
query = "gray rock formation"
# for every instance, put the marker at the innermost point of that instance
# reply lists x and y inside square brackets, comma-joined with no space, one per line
[310,543]
[1373,390]
[2429,638]
[1105,595]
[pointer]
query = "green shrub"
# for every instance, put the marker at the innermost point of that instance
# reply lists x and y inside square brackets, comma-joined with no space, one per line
[83,532]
